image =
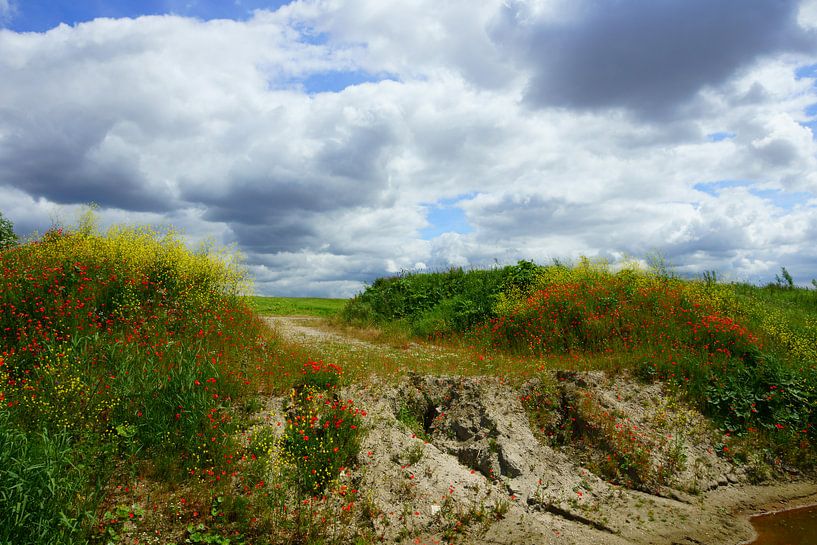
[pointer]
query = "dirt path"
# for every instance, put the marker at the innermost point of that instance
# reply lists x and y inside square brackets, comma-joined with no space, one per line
[477,472]
[307,330]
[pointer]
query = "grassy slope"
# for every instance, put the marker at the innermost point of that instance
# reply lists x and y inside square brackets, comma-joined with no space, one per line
[295,306]
[788,317]
[428,305]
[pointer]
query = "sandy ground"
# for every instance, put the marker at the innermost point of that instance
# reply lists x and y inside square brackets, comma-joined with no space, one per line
[307,330]
[469,468]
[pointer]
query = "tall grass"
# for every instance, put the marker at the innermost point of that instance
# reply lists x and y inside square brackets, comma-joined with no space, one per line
[44,490]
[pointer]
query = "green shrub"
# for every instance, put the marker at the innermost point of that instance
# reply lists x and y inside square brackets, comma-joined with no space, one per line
[440,302]
[746,355]
[765,393]
[7,236]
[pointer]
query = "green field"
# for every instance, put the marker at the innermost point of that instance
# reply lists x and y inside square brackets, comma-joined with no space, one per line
[295,306]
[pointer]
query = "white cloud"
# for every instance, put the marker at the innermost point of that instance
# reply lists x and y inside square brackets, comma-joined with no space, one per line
[414,39]
[807,15]
[205,125]
[6,9]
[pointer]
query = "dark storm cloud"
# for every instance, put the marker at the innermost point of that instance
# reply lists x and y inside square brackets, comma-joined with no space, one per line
[272,217]
[649,56]
[286,214]
[277,202]
[58,160]
[254,201]
[282,232]
[359,155]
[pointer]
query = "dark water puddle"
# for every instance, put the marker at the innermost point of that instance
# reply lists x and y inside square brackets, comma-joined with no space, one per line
[791,527]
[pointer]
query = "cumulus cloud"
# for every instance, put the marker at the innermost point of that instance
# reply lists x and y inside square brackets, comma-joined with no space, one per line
[210,126]
[411,39]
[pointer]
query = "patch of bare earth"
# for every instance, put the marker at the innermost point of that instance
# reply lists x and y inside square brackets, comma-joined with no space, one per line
[307,330]
[459,459]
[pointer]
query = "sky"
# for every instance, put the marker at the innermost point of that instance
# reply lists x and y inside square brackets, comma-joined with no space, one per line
[336,141]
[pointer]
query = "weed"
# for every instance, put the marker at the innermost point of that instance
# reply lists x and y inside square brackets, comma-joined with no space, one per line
[201,534]
[410,418]
[122,518]
[784,279]
[412,455]
[42,487]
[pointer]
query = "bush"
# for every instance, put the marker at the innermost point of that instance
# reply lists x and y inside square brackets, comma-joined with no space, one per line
[437,303]
[765,393]
[7,236]
[90,324]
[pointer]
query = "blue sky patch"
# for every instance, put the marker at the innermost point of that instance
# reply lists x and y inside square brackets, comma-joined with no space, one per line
[42,15]
[721,135]
[809,71]
[783,199]
[445,216]
[714,188]
[786,200]
[314,38]
[336,81]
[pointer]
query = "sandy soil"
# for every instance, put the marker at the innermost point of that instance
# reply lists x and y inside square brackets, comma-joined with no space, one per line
[307,329]
[449,458]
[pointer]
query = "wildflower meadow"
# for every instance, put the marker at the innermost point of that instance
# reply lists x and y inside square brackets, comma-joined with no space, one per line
[130,363]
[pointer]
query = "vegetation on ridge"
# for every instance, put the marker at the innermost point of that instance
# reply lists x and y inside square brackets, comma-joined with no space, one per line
[129,366]
[744,354]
